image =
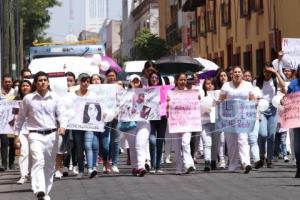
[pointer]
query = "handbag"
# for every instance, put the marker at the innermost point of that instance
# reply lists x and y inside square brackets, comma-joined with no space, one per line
[126,126]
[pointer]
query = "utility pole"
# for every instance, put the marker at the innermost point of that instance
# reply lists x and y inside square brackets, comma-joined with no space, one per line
[12,39]
[5,38]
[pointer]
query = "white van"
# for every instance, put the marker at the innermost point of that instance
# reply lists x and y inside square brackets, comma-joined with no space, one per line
[57,66]
[134,67]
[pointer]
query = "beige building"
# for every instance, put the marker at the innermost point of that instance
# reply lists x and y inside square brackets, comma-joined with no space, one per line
[230,32]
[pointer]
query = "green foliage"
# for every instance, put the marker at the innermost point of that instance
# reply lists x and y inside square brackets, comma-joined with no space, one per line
[149,46]
[36,17]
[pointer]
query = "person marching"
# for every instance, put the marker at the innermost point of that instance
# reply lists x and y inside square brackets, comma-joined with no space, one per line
[41,110]
[24,89]
[237,143]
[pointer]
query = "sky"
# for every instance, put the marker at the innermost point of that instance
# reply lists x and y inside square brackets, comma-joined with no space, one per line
[60,23]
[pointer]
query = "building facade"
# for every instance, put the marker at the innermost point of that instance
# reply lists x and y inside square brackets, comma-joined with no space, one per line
[95,14]
[229,32]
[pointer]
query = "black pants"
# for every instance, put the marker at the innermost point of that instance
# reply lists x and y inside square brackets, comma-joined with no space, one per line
[71,151]
[11,152]
[78,137]
[4,149]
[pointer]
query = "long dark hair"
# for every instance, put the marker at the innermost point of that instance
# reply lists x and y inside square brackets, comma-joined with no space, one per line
[178,75]
[159,78]
[260,79]
[86,117]
[20,94]
[212,82]
[218,82]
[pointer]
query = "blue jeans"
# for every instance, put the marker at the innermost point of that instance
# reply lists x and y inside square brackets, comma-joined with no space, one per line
[280,144]
[104,139]
[253,142]
[297,147]
[158,130]
[91,144]
[267,130]
[115,138]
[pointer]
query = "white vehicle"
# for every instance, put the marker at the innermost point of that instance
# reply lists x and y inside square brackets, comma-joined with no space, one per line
[134,67]
[57,66]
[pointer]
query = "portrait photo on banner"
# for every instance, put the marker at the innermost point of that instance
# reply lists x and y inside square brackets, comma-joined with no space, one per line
[89,114]
[139,104]
[8,114]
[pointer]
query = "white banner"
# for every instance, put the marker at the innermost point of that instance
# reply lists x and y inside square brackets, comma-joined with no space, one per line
[139,104]
[8,114]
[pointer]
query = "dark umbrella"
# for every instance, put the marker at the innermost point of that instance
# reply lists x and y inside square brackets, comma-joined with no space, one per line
[177,64]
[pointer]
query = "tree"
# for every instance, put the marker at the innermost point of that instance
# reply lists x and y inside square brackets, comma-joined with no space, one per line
[149,46]
[36,17]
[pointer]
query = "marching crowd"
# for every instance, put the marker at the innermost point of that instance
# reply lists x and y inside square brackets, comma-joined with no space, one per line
[46,149]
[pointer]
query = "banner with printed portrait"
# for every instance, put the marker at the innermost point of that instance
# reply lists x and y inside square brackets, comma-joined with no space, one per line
[184,111]
[236,116]
[139,104]
[8,114]
[107,92]
[89,114]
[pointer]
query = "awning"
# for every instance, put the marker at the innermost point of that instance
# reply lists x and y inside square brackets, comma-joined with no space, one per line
[191,5]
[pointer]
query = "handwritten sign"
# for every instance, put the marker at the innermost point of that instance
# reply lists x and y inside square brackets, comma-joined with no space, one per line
[8,113]
[139,104]
[236,116]
[290,114]
[184,111]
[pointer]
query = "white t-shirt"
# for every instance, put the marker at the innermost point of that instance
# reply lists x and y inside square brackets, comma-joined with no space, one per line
[240,92]
[268,89]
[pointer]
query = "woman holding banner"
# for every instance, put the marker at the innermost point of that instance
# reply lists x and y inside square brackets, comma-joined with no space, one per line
[293,88]
[184,160]
[268,82]
[158,130]
[138,137]
[237,143]
[23,90]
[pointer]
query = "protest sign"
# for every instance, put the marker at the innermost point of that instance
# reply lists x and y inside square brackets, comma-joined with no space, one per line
[89,114]
[236,116]
[291,50]
[139,104]
[107,92]
[8,113]
[290,113]
[163,98]
[184,111]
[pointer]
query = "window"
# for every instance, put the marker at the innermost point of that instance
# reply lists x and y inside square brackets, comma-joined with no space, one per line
[193,30]
[211,16]
[258,6]
[247,60]
[226,12]
[202,22]
[245,8]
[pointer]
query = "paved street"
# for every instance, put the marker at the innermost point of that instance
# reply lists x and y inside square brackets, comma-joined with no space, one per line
[277,183]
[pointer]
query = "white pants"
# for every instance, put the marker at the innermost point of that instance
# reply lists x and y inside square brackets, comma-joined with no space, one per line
[222,148]
[43,149]
[138,138]
[183,151]
[210,140]
[24,156]
[168,143]
[238,147]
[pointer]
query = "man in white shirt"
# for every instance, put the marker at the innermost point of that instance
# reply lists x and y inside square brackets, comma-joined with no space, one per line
[42,110]
[7,92]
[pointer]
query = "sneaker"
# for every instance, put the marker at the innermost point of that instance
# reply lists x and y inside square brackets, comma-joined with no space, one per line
[147,165]
[75,170]
[79,175]
[65,172]
[115,169]
[213,165]
[247,169]
[58,174]
[40,195]
[93,174]
[207,166]
[159,171]
[286,159]
[47,197]
[168,161]
[152,171]
[222,165]
[142,172]
[190,170]
[22,180]
[259,164]
[106,168]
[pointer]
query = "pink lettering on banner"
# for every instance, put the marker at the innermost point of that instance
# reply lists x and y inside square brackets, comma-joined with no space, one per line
[290,113]
[163,98]
[184,111]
